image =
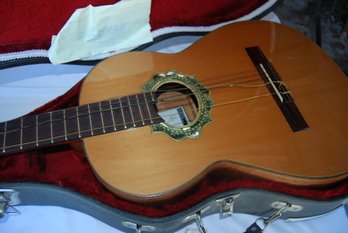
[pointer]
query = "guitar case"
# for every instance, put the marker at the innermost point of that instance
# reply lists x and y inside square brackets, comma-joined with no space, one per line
[60,175]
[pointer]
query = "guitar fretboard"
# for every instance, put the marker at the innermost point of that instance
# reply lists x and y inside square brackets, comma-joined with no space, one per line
[78,122]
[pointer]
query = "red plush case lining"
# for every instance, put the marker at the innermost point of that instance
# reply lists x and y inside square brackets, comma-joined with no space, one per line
[61,165]
[30,24]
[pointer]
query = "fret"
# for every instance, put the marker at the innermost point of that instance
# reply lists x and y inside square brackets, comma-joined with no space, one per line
[12,135]
[43,132]
[126,107]
[123,118]
[139,108]
[71,124]
[58,126]
[78,122]
[135,109]
[96,119]
[101,117]
[84,125]
[51,126]
[112,116]
[131,111]
[64,120]
[145,110]
[107,115]
[90,119]
[151,106]
[117,112]
[28,132]
[148,109]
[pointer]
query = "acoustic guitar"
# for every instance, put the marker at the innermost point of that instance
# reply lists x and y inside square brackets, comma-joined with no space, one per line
[255,98]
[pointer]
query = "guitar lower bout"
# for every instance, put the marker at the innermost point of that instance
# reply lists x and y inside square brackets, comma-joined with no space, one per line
[275,112]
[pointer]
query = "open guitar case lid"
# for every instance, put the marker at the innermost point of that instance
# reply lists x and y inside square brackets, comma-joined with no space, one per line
[59,176]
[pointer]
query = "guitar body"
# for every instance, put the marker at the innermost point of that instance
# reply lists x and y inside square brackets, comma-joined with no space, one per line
[248,134]
[240,151]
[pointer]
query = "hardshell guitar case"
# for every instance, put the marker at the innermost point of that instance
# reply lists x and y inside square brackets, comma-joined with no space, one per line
[61,175]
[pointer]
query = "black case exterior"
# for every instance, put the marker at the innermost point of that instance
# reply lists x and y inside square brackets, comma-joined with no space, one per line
[250,201]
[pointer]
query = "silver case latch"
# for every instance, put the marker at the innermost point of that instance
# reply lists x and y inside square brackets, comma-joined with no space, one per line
[197,217]
[8,198]
[138,227]
[226,205]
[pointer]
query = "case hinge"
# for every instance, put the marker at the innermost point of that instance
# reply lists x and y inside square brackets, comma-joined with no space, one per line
[138,228]
[226,205]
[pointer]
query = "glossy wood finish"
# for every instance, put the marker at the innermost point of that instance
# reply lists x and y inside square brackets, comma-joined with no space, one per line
[252,136]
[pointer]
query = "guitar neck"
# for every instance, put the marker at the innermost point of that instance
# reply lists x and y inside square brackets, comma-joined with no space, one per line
[76,123]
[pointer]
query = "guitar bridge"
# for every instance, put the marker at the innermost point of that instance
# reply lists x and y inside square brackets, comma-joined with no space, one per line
[277,87]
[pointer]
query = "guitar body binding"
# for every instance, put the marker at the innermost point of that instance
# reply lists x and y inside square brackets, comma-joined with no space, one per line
[246,128]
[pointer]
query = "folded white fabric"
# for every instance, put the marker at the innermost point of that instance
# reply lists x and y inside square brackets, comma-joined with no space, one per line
[92,30]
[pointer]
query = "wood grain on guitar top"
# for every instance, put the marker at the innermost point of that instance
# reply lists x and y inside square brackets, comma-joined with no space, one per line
[250,135]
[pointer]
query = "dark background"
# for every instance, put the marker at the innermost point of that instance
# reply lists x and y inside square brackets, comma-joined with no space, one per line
[324,21]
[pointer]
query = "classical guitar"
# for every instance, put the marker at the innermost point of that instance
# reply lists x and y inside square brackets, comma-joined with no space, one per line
[253,97]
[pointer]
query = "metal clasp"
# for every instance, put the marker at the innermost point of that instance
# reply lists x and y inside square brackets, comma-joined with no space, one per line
[8,198]
[226,205]
[138,228]
[274,216]
[200,223]
[198,218]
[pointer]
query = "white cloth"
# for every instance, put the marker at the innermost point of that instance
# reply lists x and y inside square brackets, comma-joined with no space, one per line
[93,31]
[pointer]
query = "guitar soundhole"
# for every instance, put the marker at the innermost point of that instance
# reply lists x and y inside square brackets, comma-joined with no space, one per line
[176,104]
[182,102]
